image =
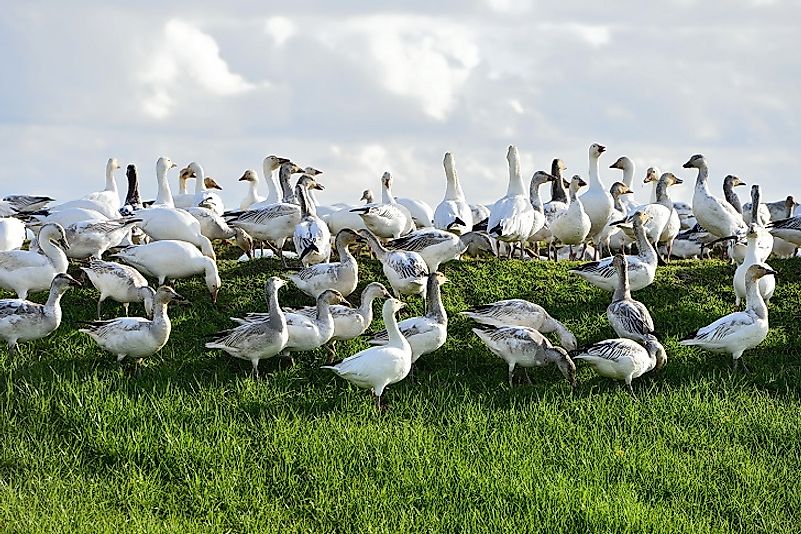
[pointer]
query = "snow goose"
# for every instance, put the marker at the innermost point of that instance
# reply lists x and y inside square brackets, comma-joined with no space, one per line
[388,198]
[716,216]
[429,332]
[93,238]
[540,231]
[611,237]
[729,183]
[453,213]
[309,333]
[257,340]
[406,271]
[572,226]
[171,259]
[12,233]
[22,320]
[781,209]
[652,176]
[378,367]
[13,204]
[629,318]
[214,227]
[663,222]
[345,218]
[287,192]
[512,216]
[597,201]
[480,213]
[311,237]
[625,164]
[271,167]
[642,267]
[106,202]
[23,271]
[673,225]
[202,193]
[388,219]
[739,331]
[121,283]
[623,359]
[136,337]
[526,347]
[753,256]
[519,312]
[342,275]
[434,246]
[421,213]
[252,178]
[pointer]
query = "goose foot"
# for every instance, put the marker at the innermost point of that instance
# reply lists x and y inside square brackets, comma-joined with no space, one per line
[631,391]
[740,363]
[528,378]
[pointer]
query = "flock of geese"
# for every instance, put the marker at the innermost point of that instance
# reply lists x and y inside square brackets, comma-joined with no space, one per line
[172,238]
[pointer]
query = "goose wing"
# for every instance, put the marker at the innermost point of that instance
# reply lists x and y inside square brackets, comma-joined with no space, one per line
[722,328]
[632,317]
[407,265]
[613,350]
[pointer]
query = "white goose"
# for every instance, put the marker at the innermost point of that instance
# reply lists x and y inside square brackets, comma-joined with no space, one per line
[571,226]
[172,259]
[512,216]
[309,333]
[663,222]
[540,230]
[22,271]
[21,320]
[782,210]
[93,238]
[739,331]
[346,218]
[388,198]
[597,201]
[629,318]
[625,164]
[12,233]
[421,213]
[526,347]
[342,275]
[766,284]
[257,340]
[285,193]
[203,196]
[136,337]
[252,178]
[612,238]
[106,202]
[388,219]
[652,176]
[453,213]
[434,246]
[716,216]
[311,237]
[270,166]
[406,271]
[788,229]
[378,367]
[13,204]
[121,283]
[673,226]
[623,359]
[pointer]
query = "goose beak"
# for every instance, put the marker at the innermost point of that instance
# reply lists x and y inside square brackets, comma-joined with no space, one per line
[75,283]
[771,271]
[64,244]
[688,165]
[678,181]
[318,186]
[244,178]
[601,149]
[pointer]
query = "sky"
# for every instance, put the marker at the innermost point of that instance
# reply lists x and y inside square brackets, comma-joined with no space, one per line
[356,89]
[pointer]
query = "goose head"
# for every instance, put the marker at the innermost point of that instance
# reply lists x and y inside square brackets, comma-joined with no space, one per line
[272,163]
[513,157]
[565,364]
[623,163]
[386,180]
[346,237]
[619,188]
[393,305]
[131,172]
[596,150]
[62,282]
[733,181]
[307,182]
[212,278]
[640,218]
[752,232]
[577,183]
[790,204]
[274,283]
[557,167]
[758,270]
[331,297]
[695,162]
[375,290]
[291,167]
[185,175]
[367,196]
[311,171]
[164,164]
[55,234]
[656,351]
[112,165]
[250,176]
[448,162]
[651,175]
[166,294]
[671,179]
[210,183]
[243,240]
[542,177]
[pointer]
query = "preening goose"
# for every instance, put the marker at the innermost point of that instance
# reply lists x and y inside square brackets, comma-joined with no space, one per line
[13,204]
[512,216]
[93,238]
[739,331]
[22,271]
[753,256]
[12,233]
[571,226]
[121,283]
[597,201]
[136,337]
[406,271]
[629,318]
[453,213]
[21,320]
[623,359]
[434,246]
[716,216]
[342,275]
[376,368]
[311,236]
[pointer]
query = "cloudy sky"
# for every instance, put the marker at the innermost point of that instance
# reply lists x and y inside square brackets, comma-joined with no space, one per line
[355,90]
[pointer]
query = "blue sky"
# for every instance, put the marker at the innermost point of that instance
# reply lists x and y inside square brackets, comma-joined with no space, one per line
[356,89]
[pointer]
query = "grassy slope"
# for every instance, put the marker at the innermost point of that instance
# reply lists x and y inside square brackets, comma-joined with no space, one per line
[193,442]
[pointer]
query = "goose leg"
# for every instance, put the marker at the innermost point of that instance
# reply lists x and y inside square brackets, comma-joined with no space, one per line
[583,250]
[12,349]
[255,372]
[124,306]
[528,378]
[511,375]
[99,304]
[631,390]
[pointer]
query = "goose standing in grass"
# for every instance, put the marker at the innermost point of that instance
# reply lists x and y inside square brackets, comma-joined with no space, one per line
[629,318]
[388,219]
[309,333]
[378,367]
[434,246]
[642,267]
[663,222]
[121,283]
[93,238]
[453,213]
[12,233]
[342,275]
[623,359]
[526,347]
[597,201]
[106,202]
[257,340]
[519,312]
[429,332]
[136,337]
[540,230]
[512,217]
[766,284]
[572,226]
[22,271]
[311,237]
[612,237]
[21,320]
[171,260]
[625,164]
[406,271]
[673,225]
[739,331]
[13,204]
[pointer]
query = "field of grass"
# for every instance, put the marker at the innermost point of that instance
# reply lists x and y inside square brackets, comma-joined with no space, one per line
[194,444]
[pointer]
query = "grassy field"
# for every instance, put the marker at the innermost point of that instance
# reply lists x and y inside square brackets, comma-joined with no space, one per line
[194,444]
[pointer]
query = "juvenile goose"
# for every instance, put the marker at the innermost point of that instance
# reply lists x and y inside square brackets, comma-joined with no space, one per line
[540,231]
[623,359]
[434,246]
[766,284]
[172,259]
[572,226]
[121,283]
[21,320]
[378,367]
[716,216]
[342,275]
[453,207]
[642,267]
[12,233]
[629,318]
[406,271]
[136,337]
[597,201]
[311,237]
[739,331]
[386,220]
[526,347]
[22,271]
[729,183]
[257,340]
[512,216]
[93,238]
[519,312]
[309,333]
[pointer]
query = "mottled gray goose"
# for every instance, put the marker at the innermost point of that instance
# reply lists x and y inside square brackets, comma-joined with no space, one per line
[121,283]
[623,359]
[629,318]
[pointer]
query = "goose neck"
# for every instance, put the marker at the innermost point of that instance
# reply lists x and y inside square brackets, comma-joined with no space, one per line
[753,298]
[645,249]
[307,208]
[375,245]
[516,186]
[343,251]
[277,317]
[534,196]
[164,196]
[594,178]
[284,177]
[731,197]
[453,189]
[132,197]
[200,179]
[755,198]
[111,183]
[434,307]
[622,290]
[394,335]
[271,177]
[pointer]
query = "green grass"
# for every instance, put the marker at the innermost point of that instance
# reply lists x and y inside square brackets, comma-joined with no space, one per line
[193,444]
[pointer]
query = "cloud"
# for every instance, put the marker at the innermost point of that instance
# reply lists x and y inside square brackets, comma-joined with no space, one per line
[280,29]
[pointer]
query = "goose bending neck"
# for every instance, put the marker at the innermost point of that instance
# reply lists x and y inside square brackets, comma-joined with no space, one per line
[343,251]
[453,189]
[375,245]
[646,250]
[516,186]
[753,298]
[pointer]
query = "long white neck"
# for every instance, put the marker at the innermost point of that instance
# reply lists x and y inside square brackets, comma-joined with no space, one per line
[345,257]
[253,193]
[516,186]
[753,298]
[653,192]
[453,189]
[111,183]
[164,196]
[628,174]
[200,180]
[751,252]
[183,189]
[271,178]
[394,335]
[645,249]
[52,307]
[701,180]
[54,254]
[386,194]
[595,180]
[366,309]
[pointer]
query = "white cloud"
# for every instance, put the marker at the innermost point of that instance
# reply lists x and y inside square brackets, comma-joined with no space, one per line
[280,29]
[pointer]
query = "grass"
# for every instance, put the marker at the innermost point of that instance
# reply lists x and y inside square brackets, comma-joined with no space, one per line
[193,444]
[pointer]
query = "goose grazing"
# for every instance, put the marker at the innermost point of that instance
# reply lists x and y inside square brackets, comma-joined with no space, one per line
[172,259]
[766,284]
[629,318]
[434,246]
[106,202]
[342,275]
[12,233]
[388,219]
[571,226]
[13,204]
[512,216]
[453,213]
[136,337]
[312,238]
[121,283]
[716,216]
[597,201]
[625,164]
[642,267]
[378,367]
[729,183]
[406,271]
[526,347]
[623,359]
[21,320]
[257,340]
[519,312]
[427,333]
[739,331]
[93,238]
[22,271]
